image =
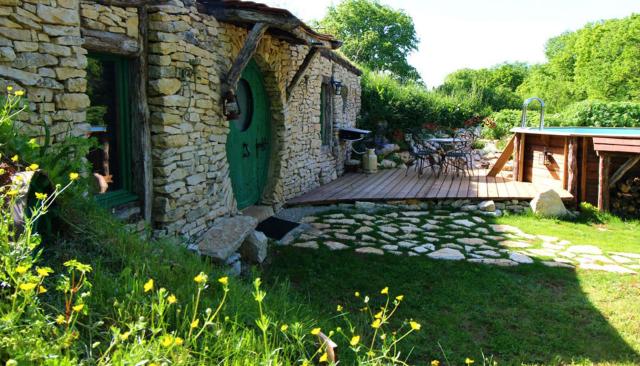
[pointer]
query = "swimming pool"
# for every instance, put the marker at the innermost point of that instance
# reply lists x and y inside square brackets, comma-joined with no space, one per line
[581,131]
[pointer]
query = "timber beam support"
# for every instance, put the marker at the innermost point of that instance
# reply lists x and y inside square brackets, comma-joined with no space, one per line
[624,168]
[302,70]
[249,48]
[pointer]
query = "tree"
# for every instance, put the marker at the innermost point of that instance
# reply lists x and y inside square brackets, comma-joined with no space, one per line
[374,35]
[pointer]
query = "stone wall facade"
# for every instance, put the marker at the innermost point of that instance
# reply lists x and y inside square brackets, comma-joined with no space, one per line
[43,48]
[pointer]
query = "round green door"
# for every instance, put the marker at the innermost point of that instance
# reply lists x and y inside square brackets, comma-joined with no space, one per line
[248,140]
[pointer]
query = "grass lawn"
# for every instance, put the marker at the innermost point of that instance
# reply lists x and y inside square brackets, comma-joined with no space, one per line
[520,315]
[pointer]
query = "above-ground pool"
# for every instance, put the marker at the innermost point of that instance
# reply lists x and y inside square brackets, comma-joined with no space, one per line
[580,160]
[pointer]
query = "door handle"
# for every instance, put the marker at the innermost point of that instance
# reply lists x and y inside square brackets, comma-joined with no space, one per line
[262,145]
[245,150]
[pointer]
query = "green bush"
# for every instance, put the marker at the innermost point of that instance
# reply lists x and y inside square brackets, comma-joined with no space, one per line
[593,113]
[409,105]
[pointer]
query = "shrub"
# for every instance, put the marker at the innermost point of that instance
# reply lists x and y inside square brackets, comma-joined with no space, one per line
[385,101]
[593,113]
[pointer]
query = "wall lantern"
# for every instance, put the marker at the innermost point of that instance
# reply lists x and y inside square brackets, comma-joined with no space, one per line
[231,106]
[337,86]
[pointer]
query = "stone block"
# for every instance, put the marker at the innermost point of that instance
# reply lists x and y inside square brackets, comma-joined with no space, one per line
[255,247]
[57,15]
[165,86]
[225,236]
[23,77]
[548,204]
[72,101]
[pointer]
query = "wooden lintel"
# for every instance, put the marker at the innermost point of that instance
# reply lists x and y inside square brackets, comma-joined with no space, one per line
[108,42]
[223,14]
[246,53]
[603,182]
[624,168]
[302,70]
[503,159]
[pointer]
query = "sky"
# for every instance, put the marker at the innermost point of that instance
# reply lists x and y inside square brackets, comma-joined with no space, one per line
[456,34]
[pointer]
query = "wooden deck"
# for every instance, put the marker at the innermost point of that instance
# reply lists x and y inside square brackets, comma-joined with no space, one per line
[393,184]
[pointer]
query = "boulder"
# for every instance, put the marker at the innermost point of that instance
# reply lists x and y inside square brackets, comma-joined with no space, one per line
[225,236]
[254,247]
[548,204]
[488,206]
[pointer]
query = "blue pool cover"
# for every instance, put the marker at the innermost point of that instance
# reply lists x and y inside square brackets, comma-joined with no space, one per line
[582,131]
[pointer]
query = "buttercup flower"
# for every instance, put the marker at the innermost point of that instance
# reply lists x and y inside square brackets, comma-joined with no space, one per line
[19,93]
[74,176]
[167,341]
[357,294]
[9,88]
[42,290]
[124,336]
[385,291]
[415,325]
[22,269]
[468,361]
[376,324]
[78,307]
[33,167]
[200,278]
[435,363]
[148,286]
[41,196]
[339,308]
[12,192]
[224,280]
[324,357]
[60,319]
[28,286]
[379,314]
[354,341]
[315,331]
[15,158]
[400,297]
[179,341]
[172,299]
[284,327]
[195,323]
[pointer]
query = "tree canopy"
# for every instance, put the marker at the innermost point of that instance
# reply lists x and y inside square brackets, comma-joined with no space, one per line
[374,35]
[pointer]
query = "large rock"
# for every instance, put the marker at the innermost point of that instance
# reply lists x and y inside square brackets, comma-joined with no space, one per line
[254,247]
[548,204]
[225,236]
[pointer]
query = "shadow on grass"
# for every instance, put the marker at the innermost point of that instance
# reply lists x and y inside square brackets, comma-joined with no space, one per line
[527,314]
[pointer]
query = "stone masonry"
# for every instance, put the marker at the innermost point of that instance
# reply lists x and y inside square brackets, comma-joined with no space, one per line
[42,50]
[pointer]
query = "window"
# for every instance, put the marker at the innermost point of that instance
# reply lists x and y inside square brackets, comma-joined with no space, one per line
[326,114]
[110,119]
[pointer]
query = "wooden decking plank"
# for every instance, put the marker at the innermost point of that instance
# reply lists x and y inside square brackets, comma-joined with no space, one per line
[327,189]
[422,193]
[503,188]
[482,187]
[387,182]
[455,186]
[463,190]
[345,186]
[415,189]
[374,183]
[388,186]
[492,189]
[437,186]
[411,181]
[355,189]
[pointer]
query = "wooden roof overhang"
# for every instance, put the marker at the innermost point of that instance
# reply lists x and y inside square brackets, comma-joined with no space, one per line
[605,147]
[262,19]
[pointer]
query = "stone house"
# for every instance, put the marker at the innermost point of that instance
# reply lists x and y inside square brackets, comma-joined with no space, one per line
[201,108]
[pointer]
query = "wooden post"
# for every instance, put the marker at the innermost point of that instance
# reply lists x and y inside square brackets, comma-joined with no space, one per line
[516,156]
[313,53]
[565,169]
[519,157]
[583,170]
[603,182]
[246,53]
[572,169]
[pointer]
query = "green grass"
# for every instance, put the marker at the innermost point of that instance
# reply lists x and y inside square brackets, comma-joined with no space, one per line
[528,314]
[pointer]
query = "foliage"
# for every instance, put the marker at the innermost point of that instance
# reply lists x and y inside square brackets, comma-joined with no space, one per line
[599,61]
[375,35]
[495,87]
[595,113]
[405,106]
[58,160]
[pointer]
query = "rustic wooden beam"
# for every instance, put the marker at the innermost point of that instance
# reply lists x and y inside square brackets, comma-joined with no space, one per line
[565,165]
[503,159]
[141,128]
[107,42]
[583,170]
[223,14]
[517,141]
[624,168]
[246,53]
[572,169]
[302,70]
[523,142]
[603,182]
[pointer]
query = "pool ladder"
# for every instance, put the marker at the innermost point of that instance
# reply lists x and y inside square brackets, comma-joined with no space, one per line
[525,105]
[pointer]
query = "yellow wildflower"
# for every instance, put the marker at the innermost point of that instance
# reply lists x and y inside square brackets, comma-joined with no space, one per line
[149,285]
[33,167]
[15,158]
[385,291]
[379,314]
[124,336]
[12,192]
[435,363]
[74,176]
[28,286]
[2,171]
[415,325]
[60,319]
[376,324]
[324,357]
[400,297]
[172,299]
[78,307]
[284,327]
[19,93]
[315,331]
[383,336]
[468,361]
[22,269]
[41,196]
[9,88]
[44,271]
[179,341]
[339,308]
[357,294]
[166,341]
[354,341]
[194,324]
[200,278]
[33,143]
[224,280]
[42,290]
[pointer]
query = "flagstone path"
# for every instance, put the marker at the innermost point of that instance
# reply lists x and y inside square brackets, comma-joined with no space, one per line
[451,235]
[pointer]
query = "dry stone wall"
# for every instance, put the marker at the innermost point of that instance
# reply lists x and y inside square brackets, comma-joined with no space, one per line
[43,50]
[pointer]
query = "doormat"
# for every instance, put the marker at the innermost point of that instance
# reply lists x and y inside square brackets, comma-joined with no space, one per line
[276,228]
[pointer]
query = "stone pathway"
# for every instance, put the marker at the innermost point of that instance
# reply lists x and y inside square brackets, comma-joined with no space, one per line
[454,235]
